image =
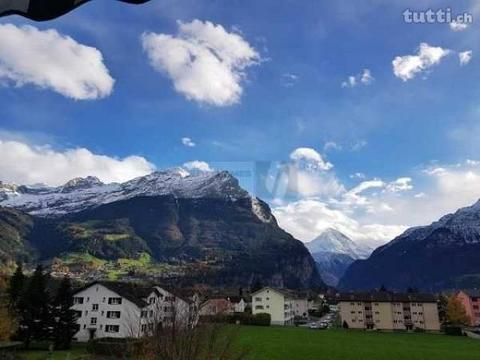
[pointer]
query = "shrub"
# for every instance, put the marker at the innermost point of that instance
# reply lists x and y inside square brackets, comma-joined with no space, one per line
[453,330]
[113,347]
[240,318]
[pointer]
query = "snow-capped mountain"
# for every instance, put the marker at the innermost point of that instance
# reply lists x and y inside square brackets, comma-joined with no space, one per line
[443,255]
[334,241]
[333,253]
[193,221]
[85,193]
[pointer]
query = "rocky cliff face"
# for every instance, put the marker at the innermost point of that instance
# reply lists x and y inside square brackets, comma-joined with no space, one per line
[205,220]
[443,255]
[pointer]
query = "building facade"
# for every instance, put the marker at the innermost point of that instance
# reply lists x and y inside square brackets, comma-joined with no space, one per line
[300,308]
[389,311]
[470,300]
[277,303]
[121,310]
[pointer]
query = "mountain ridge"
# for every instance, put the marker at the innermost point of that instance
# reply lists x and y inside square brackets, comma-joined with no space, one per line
[440,256]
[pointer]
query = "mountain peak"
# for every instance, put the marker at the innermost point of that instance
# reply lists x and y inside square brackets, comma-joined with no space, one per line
[333,241]
[81,183]
[83,193]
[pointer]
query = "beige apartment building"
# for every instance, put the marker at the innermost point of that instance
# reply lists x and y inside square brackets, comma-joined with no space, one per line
[389,311]
[276,302]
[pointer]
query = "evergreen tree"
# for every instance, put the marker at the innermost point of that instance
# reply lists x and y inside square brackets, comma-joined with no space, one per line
[65,321]
[16,287]
[34,310]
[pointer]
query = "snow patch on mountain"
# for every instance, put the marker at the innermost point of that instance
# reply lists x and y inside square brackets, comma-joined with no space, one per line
[84,193]
[334,241]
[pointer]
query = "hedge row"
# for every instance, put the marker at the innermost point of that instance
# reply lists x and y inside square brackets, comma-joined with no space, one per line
[240,318]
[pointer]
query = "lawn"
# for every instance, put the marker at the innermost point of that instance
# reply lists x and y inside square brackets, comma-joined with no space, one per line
[299,343]
[77,353]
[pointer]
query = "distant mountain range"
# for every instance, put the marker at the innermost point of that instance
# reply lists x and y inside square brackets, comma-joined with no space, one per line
[333,253]
[200,227]
[443,255]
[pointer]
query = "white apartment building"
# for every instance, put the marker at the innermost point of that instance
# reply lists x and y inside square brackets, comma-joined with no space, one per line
[278,303]
[122,310]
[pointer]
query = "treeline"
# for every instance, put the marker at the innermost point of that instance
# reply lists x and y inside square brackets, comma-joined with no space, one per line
[40,312]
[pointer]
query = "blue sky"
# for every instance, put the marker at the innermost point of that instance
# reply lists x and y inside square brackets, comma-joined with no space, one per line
[292,97]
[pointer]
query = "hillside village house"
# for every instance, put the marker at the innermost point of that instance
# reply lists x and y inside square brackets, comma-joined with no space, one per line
[279,303]
[219,306]
[120,310]
[470,300]
[389,311]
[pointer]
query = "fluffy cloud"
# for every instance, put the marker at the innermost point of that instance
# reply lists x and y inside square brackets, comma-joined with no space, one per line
[205,62]
[457,26]
[364,78]
[310,158]
[197,166]
[188,142]
[465,57]
[53,61]
[375,211]
[27,164]
[306,219]
[407,67]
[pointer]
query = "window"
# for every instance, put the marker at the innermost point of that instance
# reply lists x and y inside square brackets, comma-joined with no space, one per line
[144,327]
[88,299]
[144,313]
[258,299]
[268,306]
[152,300]
[78,300]
[103,300]
[113,314]
[259,307]
[268,298]
[93,321]
[115,300]
[86,312]
[94,307]
[151,313]
[112,328]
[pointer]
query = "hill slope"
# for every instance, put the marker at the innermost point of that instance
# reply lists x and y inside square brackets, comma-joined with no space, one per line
[205,225]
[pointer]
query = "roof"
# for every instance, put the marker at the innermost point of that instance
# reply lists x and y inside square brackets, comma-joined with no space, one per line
[235,299]
[473,293]
[285,292]
[130,291]
[386,296]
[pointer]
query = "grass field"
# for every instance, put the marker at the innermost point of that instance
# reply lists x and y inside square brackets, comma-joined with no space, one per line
[274,343]
[277,343]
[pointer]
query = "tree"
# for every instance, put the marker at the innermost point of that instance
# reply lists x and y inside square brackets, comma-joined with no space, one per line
[456,313]
[7,323]
[65,319]
[16,287]
[34,311]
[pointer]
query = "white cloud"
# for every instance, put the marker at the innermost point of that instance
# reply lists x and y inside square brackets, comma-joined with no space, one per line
[188,142]
[465,57]
[407,67]
[205,62]
[310,158]
[28,164]
[198,166]
[289,79]
[364,78]
[401,184]
[458,26]
[306,219]
[332,145]
[50,60]
[350,83]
